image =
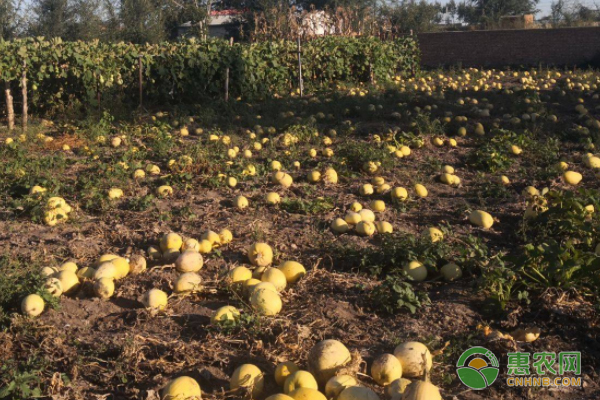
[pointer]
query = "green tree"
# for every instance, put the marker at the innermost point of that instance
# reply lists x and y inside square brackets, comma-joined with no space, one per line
[489,12]
[412,15]
[572,13]
[111,20]
[142,21]
[178,12]
[8,19]
[153,21]
[51,18]
[86,22]
[452,11]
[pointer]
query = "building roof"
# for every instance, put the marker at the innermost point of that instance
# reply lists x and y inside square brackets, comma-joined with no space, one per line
[218,18]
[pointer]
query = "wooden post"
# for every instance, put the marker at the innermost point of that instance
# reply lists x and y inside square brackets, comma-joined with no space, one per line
[227,75]
[24,94]
[98,96]
[300,80]
[412,66]
[140,80]
[10,110]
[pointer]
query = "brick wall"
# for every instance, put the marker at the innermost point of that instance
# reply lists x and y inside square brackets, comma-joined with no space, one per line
[530,47]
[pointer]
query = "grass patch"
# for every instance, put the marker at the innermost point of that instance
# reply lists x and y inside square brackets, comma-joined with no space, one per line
[307,207]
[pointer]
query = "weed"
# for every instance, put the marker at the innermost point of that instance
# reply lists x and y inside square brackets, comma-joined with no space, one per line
[399,248]
[21,381]
[248,322]
[395,294]
[356,154]
[309,207]
[499,282]
[141,203]
[425,125]
[18,279]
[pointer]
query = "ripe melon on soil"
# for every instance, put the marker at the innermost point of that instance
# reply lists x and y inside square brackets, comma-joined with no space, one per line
[451,272]
[283,370]
[421,390]
[266,302]
[307,394]
[338,383]
[410,355]
[188,282]
[293,271]
[260,254]
[155,299]
[32,305]
[68,280]
[326,358]
[340,226]
[279,396]
[189,261]
[240,274]
[182,388]
[225,314]
[396,389]
[416,271]
[386,369]
[104,288]
[572,178]
[171,241]
[299,379]
[276,277]
[481,218]
[106,270]
[358,393]
[53,287]
[250,377]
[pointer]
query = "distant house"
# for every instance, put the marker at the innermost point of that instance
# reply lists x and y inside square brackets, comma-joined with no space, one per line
[226,23]
[221,24]
[449,20]
[317,23]
[524,21]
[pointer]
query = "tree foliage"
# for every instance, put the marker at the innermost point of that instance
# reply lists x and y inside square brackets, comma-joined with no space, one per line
[413,15]
[572,13]
[142,21]
[489,12]
[71,74]
[51,18]
[136,21]
[8,19]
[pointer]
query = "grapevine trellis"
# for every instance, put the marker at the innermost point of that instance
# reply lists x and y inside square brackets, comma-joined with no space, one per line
[57,73]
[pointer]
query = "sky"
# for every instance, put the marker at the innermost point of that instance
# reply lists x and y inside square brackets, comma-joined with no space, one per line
[544,6]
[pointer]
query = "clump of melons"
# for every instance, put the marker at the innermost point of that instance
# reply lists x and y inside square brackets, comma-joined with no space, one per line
[56,211]
[173,248]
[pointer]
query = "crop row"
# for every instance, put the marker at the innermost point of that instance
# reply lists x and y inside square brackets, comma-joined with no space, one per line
[83,73]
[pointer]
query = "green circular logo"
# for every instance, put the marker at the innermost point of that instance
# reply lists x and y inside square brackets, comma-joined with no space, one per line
[477,368]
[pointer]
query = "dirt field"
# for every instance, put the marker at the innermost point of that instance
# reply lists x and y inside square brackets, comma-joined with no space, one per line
[82,347]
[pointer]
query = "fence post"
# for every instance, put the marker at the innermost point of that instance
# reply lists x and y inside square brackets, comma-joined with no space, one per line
[412,66]
[300,80]
[227,75]
[140,80]
[10,110]
[24,94]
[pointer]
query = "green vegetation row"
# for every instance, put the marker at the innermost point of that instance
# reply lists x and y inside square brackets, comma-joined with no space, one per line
[83,73]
